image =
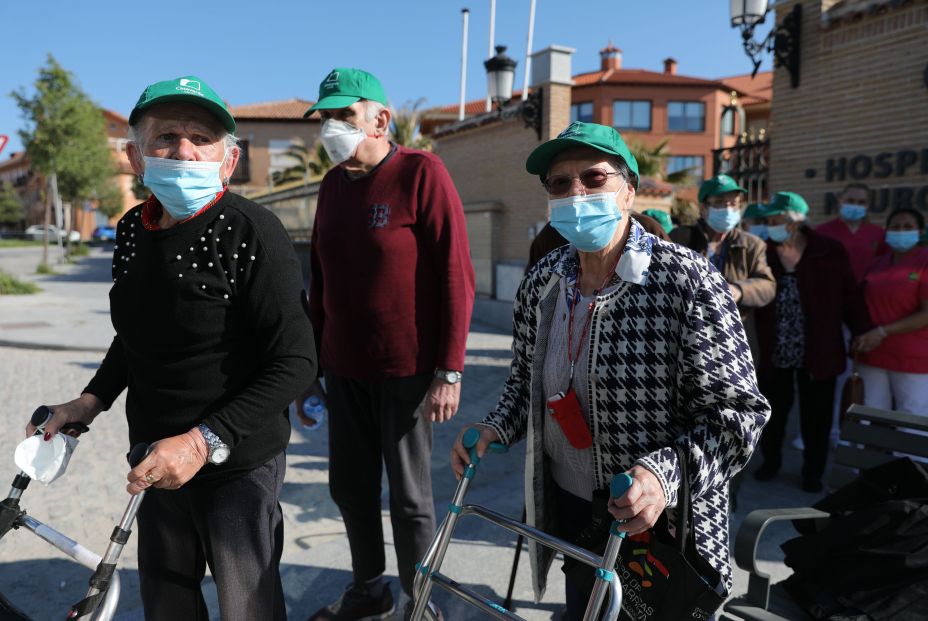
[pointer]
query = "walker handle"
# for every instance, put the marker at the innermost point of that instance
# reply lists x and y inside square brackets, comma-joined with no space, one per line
[42,415]
[620,484]
[470,439]
[137,454]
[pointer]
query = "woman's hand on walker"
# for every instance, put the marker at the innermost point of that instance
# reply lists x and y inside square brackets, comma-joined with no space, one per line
[642,504]
[460,457]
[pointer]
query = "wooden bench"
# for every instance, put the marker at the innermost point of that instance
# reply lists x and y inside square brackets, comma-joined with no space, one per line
[869,437]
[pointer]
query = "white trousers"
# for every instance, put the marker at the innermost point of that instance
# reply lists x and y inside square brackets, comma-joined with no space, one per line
[882,388]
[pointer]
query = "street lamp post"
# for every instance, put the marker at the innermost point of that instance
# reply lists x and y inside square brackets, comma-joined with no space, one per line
[501,72]
[783,40]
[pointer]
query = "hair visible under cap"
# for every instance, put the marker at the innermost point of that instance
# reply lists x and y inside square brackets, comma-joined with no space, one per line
[136,135]
[906,210]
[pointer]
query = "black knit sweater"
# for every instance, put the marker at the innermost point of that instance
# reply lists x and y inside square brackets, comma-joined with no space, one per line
[210,327]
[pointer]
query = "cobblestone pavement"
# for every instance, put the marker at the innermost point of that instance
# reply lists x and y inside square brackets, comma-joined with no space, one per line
[90,498]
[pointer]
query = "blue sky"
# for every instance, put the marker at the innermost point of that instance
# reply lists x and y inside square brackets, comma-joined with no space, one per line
[276,49]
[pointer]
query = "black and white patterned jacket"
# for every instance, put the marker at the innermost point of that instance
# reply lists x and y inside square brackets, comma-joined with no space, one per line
[669,366]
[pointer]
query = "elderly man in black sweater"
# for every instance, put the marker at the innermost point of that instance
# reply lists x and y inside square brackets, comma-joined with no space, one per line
[212,344]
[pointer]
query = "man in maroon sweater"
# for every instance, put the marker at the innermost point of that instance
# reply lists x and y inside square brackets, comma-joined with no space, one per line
[391,293]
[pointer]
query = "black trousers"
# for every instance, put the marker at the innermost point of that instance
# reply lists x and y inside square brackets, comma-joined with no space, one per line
[816,404]
[234,526]
[375,423]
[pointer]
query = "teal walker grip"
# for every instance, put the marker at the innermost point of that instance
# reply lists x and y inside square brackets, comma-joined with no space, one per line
[619,485]
[470,439]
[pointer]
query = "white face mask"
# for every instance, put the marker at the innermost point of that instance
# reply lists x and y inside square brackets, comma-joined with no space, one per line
[340,139]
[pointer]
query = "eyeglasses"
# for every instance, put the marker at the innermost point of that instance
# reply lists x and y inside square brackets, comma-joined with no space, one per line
[591,179]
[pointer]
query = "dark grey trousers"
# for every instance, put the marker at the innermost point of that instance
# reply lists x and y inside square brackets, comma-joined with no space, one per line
[375,423]
[234,526]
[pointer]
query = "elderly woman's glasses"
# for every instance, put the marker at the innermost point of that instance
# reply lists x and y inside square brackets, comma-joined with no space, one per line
[591,179]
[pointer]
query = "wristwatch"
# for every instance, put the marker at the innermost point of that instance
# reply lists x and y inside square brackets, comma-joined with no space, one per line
[219,451]
[452,377]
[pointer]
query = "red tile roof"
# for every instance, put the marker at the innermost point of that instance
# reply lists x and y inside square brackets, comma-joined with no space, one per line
[642,77]
[649,186]
[287,109]
[757,90]
[476,106]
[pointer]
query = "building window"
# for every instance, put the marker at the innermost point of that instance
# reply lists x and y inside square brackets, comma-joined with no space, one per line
[631,115]
[728,123]
[690,163]
[582,112]
[277,155]
[686,116]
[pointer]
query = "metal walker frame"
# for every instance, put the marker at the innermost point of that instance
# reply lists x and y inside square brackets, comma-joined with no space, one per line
[428,573]
[102,597]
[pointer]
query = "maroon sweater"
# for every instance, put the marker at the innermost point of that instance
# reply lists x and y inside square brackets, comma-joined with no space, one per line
[392,285]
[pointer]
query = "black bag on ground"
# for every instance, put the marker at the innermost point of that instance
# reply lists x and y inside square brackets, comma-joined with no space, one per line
[870,561]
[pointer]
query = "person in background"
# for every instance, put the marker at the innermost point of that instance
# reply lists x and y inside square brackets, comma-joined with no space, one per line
[861,239]
[662,217]
[893,356]
[754,221]
[391,294]
[737,254]
[800,334]
[637,344]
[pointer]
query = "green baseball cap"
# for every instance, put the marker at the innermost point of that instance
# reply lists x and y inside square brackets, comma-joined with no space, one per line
[578,134]
[189,89]
[662,217]
[754,210]
[343,87]
[719,184]
[786,201]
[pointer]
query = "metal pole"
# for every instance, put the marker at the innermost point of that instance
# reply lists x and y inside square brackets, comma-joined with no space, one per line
[466,14]
[528,50]
[489,105]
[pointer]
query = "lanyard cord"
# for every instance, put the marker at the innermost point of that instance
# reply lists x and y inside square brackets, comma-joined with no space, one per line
[575,297]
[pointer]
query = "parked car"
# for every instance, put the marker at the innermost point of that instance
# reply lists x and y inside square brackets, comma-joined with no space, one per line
[37,232]
[104,233]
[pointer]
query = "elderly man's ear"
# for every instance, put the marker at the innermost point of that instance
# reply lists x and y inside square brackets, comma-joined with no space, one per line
[382,122]
[626,201]
[135,158]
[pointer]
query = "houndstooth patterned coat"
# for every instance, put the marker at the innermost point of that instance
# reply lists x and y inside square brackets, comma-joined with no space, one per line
[669,366]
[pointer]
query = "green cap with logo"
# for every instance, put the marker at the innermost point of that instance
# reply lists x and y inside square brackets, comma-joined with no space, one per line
[188,89]
[786,201]
[579,134]
[754,210]
[719,184]
[662,217]
[343,87]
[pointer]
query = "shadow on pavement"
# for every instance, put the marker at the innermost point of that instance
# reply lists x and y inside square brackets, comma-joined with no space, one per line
[53,585]
[94,268]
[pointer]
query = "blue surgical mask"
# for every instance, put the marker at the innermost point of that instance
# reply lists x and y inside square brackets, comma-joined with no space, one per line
[902,241]
[778,233]
[758,229]
[853,213]
[587,221]
[183,188]
[723,219]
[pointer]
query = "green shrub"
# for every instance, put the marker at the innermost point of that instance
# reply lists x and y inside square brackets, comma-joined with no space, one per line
[44,268]
[10,285]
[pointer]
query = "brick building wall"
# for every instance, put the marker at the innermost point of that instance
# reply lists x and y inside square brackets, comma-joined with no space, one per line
[860,112]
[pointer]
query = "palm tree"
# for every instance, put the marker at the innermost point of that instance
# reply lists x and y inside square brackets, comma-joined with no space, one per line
[308,163]
[404,126]
[652,162]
